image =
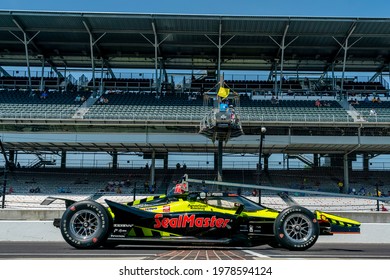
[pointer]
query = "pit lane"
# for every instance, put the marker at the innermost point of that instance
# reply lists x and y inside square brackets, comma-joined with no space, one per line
[61,250]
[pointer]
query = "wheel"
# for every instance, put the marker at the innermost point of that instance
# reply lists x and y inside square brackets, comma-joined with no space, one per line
[85,224]
[296,228]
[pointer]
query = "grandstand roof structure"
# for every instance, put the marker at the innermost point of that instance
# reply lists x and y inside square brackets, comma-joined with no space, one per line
[67,39]
[190,143]
[191,42]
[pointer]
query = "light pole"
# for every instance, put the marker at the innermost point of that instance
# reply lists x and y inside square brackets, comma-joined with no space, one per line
[263,130]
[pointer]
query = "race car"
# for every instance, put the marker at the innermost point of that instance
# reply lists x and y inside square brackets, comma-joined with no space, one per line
[182,217]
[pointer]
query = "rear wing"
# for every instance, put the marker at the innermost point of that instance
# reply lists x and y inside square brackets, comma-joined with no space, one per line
[68,202]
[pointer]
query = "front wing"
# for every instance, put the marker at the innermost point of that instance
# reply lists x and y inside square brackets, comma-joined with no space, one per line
[337,224]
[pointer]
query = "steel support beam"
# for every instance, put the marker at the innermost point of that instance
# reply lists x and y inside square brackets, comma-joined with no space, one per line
[25,41]
[153,168]
[220,160]
[219,45]
[282,46]
[156,44]
[41,86]
[345,46]
[92,43]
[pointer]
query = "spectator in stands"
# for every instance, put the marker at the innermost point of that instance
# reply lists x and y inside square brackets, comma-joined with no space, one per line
[378,100]
[204,188]
[78,98]
[366,99]
[326,104]
[274,100]
[372,112]
[340,185]
[118,190]
[374,100]
[153,188]
[317,103]
[146,186]
[306,81]
[32,93]
[83,98]
[101,100]
[45,94]
[383,208]
[355,102]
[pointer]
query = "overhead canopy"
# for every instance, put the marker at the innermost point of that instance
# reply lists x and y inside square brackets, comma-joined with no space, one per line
[192,41]
[191,143]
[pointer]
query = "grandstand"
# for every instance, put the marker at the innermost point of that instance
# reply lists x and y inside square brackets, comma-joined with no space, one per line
[131,182]
[157,116]
[22,104]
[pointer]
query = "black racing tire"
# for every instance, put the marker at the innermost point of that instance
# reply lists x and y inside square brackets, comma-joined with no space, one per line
[296,228]
[86,224]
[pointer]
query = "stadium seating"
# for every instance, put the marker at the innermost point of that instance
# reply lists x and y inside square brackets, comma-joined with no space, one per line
[367,87]
[291,110]
[135,105]
[382,110]
[204,85]
[23,82]
[22,104]
[124,83]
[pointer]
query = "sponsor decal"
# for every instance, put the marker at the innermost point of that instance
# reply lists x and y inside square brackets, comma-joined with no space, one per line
[166,208]
[149,208]
[117,236]
[124,225]
[116,230]
[197,206]
[185,220]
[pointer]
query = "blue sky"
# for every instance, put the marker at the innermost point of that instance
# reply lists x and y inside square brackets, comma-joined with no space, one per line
[338,8]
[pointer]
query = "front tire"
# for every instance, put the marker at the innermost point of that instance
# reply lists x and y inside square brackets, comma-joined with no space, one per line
[85,225]
[296,228]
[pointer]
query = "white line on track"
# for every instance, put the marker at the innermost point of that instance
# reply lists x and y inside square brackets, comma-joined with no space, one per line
[255,254]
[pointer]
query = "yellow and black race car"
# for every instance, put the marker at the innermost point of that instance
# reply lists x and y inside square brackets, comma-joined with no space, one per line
[196,218]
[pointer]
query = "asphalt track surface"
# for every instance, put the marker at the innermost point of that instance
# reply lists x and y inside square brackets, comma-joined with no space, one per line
[61,250]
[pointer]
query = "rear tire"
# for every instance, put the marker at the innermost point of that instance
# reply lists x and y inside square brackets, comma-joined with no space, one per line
[85,225]
[296,228]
